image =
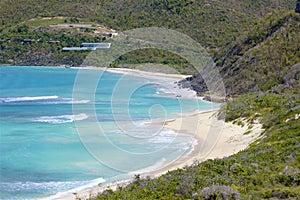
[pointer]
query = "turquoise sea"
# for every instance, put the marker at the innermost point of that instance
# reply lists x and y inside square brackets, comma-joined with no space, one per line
[55,136]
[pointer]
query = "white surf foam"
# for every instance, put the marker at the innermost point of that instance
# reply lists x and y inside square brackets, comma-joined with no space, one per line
[61,119]
[72,101]
[166,136]
[68,187]
[81,185]
[18,99]
[42,100]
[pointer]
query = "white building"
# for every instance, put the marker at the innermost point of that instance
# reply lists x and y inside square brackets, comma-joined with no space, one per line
[88,47]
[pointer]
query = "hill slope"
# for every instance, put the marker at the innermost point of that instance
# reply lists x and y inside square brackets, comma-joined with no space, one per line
[214,24]
[266,58]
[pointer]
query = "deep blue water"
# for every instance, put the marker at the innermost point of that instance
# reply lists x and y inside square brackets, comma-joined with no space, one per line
[56,136]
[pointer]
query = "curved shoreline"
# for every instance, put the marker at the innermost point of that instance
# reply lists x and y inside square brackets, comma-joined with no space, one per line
[230,139]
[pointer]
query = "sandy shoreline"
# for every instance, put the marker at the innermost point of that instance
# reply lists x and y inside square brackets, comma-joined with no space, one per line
[216,139]
[230,140]
[166,81]
[136,72]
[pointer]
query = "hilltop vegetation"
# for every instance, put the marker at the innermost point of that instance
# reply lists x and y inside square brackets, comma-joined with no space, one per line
[214,24]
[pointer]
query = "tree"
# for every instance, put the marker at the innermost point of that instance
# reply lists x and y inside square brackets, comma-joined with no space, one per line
[22,29]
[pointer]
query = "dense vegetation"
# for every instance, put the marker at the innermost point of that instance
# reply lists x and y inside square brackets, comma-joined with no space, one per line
[264,59]
[255,44]
[213,24]
[266,56]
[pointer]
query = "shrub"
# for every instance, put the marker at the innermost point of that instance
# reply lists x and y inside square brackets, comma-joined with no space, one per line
[220,192]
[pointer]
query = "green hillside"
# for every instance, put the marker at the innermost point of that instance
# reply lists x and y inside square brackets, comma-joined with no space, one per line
[266,58]
[214,24]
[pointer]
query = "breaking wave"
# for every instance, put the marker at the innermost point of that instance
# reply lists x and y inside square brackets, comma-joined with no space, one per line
[51,186]
[61,119]
[41,100]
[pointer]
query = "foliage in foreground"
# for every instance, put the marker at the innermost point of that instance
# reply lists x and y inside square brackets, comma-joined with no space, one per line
[269,168]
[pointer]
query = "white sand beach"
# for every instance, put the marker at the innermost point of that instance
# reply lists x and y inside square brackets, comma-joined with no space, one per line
[169,81]
[215,138]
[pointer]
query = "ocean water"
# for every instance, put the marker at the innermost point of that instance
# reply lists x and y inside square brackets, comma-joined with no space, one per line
[60,131]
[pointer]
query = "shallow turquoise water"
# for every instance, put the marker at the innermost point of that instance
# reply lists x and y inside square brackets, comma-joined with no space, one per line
[51,142]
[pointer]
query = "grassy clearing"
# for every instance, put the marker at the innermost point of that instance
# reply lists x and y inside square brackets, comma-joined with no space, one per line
[43,22]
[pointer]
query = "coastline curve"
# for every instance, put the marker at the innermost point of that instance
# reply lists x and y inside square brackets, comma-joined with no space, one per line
[136,39]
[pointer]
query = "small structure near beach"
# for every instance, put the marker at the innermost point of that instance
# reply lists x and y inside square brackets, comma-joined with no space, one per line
[88,47]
